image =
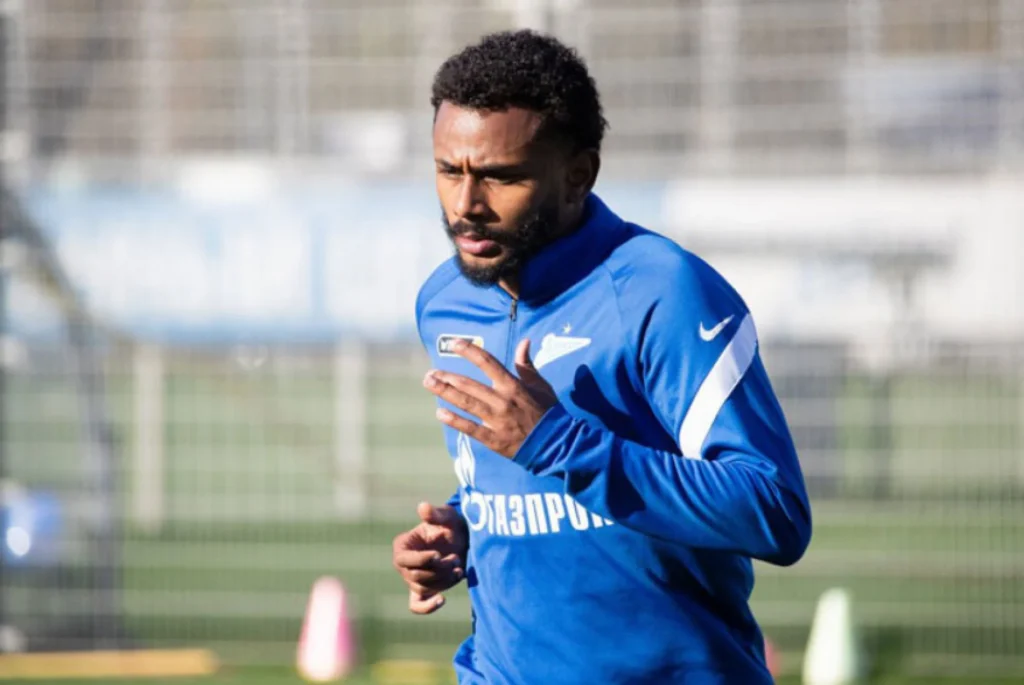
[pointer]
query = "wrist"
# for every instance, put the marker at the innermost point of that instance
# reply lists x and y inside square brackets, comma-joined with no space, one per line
[539,448]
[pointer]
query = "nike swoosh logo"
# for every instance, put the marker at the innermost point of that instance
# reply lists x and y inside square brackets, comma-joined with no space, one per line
[708,336]
[554,347]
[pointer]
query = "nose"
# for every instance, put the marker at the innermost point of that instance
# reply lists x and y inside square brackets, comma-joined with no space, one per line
[471,201]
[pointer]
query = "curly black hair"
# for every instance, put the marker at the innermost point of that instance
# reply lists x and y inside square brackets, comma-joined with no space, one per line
[529,70]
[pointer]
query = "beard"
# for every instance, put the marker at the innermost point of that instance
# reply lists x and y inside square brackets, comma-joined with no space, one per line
[532,233]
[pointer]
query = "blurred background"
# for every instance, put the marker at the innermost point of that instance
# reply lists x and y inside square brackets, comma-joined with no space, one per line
[216,215]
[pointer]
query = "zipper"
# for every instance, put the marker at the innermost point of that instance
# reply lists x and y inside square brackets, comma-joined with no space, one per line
[513,314]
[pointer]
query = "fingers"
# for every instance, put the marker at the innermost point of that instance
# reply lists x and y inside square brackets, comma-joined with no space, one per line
[463,425]
[450,565]
[466,385]
[425,571]
[506,413]
[424,604]
[424,560]
[430,576]
[484,361]
[416,559]
[524,365]
[425,585]
[425,510]
[433,586]
[438,516]
[462,392]
[434,580]
[523,353]
[538,387]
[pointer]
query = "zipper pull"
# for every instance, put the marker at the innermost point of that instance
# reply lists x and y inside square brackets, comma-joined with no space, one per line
[515,309]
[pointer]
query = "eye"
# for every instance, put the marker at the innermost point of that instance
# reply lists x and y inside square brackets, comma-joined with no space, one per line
[506,179]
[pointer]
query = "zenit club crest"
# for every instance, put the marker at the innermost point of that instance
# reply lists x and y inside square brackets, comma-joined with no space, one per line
[446,343]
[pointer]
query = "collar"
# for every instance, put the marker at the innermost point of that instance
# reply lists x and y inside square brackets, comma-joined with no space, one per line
[563,263]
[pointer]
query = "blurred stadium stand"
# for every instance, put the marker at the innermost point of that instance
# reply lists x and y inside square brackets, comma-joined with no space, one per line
[240,193]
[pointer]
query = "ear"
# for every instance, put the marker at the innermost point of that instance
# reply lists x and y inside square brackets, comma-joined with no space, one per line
[581,175]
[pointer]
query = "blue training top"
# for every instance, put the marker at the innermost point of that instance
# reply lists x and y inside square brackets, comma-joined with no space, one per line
[616,546]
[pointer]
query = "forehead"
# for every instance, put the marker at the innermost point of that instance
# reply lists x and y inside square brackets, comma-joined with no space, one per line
[460,132]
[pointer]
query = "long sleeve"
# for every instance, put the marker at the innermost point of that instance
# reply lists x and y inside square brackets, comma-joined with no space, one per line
[735,483]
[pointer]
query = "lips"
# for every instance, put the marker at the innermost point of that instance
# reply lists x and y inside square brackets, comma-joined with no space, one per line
[476,246]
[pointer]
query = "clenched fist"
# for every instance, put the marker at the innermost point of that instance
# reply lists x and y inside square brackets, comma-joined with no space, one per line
[431,557]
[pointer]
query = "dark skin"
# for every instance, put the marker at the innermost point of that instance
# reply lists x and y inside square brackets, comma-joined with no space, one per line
[493,169]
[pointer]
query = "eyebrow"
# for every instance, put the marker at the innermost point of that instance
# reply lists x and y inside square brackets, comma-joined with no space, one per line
[487,169]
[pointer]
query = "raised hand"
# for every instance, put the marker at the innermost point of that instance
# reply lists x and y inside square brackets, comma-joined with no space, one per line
[507,411]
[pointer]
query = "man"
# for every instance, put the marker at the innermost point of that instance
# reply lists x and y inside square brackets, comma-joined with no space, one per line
[620,452]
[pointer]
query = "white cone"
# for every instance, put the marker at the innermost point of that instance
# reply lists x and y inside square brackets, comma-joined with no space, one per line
[833,650]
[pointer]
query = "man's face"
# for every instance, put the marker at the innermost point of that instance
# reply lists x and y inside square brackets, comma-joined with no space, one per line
[499,188]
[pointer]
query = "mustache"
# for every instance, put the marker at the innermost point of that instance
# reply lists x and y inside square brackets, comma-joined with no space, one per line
[463,228]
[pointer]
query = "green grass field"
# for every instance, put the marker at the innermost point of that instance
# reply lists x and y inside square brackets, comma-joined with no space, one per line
[936,565]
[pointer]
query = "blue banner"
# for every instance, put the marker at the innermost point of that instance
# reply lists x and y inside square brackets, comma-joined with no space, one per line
[299,264]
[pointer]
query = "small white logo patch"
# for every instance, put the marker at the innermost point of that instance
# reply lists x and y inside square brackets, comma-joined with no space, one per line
[708,336]
[446,343]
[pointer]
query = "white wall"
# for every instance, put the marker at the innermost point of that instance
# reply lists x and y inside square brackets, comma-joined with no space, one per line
[979,294]
[308,261]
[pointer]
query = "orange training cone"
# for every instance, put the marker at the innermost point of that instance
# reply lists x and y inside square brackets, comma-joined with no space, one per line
[326,648]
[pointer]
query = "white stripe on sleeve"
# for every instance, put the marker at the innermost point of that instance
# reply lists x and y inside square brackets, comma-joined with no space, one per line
[725,375]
